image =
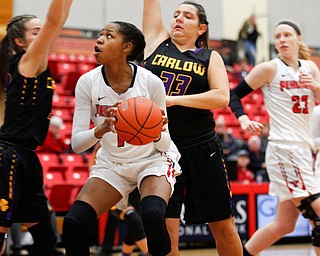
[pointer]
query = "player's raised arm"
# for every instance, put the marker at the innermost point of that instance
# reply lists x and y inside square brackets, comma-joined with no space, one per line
[34,62]
[152,25]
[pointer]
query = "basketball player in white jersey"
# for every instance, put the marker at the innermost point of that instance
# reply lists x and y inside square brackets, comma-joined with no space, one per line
[120,167]
[290,85]
[315,129]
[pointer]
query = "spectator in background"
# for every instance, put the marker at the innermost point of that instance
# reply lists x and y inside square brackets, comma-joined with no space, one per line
[257,159]
[264,137]
[243,173]
[228,142]
[248,36]
[226,53]
[55,141]
[241,69]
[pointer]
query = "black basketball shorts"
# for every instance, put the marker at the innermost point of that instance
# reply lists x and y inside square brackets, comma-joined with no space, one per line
[22,198]
[203,186]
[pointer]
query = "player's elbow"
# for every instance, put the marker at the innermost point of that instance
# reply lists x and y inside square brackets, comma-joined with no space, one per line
[222,101]
[225,101]
[76,149]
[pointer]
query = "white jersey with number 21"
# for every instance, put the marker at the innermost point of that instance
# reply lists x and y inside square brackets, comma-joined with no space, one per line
[289,104]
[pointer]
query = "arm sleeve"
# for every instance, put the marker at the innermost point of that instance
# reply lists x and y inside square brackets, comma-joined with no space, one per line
[236,95]
[82,137]
[158,95]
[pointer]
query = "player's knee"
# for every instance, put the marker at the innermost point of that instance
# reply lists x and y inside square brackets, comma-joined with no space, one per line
[153,217]
[75,226]
[316,233]
[133,220]
[306,207]
[70,227]
[309,213]
[44,238]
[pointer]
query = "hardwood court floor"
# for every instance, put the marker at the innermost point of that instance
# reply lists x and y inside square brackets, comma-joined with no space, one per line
[277,250]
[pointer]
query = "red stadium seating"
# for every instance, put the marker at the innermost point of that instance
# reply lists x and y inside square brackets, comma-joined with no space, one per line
[77,174]
[61,197]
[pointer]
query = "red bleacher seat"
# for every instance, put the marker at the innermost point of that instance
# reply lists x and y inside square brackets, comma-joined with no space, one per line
[54,174]
[85,67]
[65,114]
[77,174]
[61,197]
[69,82]
[66,131]
[48,158]
[72,159]
[63,101]
[66,68]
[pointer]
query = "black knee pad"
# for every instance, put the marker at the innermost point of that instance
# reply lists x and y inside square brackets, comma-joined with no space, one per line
[129,238]
[134,222]
[308,212]
[44,239]
[153,218]
[316,233]
[75,227]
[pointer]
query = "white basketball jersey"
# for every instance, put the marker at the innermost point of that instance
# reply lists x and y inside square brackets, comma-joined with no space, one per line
[94,96]
[289,104]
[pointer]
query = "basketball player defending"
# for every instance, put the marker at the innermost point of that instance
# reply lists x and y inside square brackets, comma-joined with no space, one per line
[196,81]
[26,90]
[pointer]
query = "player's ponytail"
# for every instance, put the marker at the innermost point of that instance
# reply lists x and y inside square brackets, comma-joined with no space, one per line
[304,52]
[4,68]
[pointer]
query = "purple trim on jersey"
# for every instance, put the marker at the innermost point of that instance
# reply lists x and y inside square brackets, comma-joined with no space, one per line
[197,50]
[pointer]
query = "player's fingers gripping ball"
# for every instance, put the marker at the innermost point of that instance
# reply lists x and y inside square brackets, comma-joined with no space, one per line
[138,121]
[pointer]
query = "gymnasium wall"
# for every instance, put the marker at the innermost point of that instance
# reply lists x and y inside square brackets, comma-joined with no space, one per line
[225,16]
[6,11]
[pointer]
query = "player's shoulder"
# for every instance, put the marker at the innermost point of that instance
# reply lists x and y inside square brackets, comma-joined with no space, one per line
[91,77]
[142,72]
[270,66]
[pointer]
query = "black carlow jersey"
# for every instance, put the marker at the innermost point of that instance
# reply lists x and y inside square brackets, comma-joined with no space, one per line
[184,73]
[28,107]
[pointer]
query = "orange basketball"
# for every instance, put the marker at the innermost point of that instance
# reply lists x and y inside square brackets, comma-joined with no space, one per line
[139,121]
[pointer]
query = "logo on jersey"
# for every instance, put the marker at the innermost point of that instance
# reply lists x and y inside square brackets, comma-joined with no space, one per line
[288,85]
[172,63]
[100,98]
[50,83]
[101,110]
[3,205]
